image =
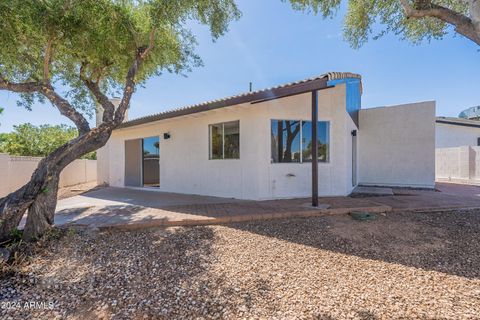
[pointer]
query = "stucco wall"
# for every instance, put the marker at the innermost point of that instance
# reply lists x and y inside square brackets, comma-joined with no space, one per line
[185,167]
[16,171]
[103,153]
[103,169]
[448,136]
[397,145]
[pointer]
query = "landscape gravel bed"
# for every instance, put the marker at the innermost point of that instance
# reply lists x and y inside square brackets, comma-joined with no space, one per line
[402,265]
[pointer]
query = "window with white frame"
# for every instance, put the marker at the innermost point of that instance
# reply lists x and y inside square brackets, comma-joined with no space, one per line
[292,141]
[224,140]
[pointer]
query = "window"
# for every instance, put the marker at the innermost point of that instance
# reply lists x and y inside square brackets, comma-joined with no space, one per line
[151,164]
[292,141]
[231,140]
[225,140]
[216,141]
[323,141]
[286,141]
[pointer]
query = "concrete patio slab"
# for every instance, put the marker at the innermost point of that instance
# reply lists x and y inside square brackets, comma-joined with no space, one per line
[132,208]
[445,197]
[372,191]
[121,208]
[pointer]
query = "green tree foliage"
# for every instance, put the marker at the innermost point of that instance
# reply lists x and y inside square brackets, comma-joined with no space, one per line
[53,41]
[413,20]
[77,53]
[37,141]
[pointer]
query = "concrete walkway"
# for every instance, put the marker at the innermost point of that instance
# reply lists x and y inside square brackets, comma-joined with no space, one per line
[122,208]
[447,196]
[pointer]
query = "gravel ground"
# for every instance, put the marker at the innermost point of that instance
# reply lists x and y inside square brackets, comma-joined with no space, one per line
[422,265]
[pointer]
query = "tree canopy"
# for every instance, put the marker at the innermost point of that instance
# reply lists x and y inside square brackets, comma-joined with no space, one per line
[74,43]
[414,20]
[37,141]
[75,54]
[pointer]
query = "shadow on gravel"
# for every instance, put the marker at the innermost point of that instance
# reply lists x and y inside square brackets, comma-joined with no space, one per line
[446,242]
[160,274]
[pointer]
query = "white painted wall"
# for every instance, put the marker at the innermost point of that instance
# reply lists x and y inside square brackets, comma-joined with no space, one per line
[185,167]
[16,171]
[397,145]
[448,135]
[103,168]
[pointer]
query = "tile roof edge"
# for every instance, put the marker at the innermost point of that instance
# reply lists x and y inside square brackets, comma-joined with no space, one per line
[154,117]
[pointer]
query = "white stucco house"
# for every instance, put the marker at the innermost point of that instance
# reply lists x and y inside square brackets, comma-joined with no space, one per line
[258,145]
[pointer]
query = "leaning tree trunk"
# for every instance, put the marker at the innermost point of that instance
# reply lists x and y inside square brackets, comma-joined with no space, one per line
[39,195]
[14,205]
[41,213]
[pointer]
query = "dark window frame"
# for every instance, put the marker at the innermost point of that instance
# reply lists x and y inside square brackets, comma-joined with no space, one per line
[328,158]
[210,126]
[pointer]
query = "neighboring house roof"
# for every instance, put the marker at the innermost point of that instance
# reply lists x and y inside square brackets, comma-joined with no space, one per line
[458,122]
[285,90]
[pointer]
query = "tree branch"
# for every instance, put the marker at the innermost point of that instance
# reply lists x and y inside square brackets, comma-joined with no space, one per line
[65,108]
[462,24]
[102,99]
[47,60]
[47,90]
[151,44]
[140,56]
[475,13]
[27,87]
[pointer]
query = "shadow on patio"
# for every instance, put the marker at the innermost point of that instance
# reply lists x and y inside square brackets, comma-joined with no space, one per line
[143,208]
[100,216]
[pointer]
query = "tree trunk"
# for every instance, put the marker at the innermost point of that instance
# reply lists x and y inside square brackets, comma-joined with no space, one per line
[41,212]
[12,213]
[14,205]
[40,193]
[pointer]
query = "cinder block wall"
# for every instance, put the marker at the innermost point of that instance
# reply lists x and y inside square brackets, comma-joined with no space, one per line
[460,164]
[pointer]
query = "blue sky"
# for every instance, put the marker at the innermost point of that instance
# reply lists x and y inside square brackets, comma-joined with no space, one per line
[272,44]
